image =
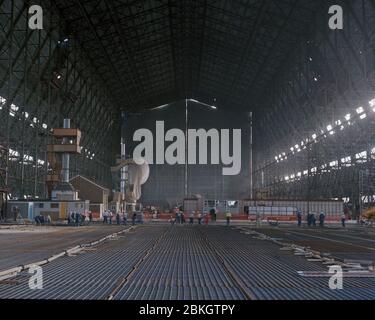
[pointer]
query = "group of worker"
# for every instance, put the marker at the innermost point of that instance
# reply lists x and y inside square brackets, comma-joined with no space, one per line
[78,219]
[107,217]
[311,219]
[42,220]
[180,217]
[204,218]
[121,217]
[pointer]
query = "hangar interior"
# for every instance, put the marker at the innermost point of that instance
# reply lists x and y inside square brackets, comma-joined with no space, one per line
[74,92]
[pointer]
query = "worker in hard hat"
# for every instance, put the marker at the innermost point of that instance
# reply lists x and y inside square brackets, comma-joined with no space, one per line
[322,217]
[299,218]
[105,217]
[228,216]
[182,217]
[206,218]
[343,220]
[178,216]
[191,217]
[199,216]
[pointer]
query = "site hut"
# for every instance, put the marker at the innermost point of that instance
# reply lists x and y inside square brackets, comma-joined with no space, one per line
[57,210]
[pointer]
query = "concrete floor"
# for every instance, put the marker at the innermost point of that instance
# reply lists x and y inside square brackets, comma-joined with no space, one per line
[186,262]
